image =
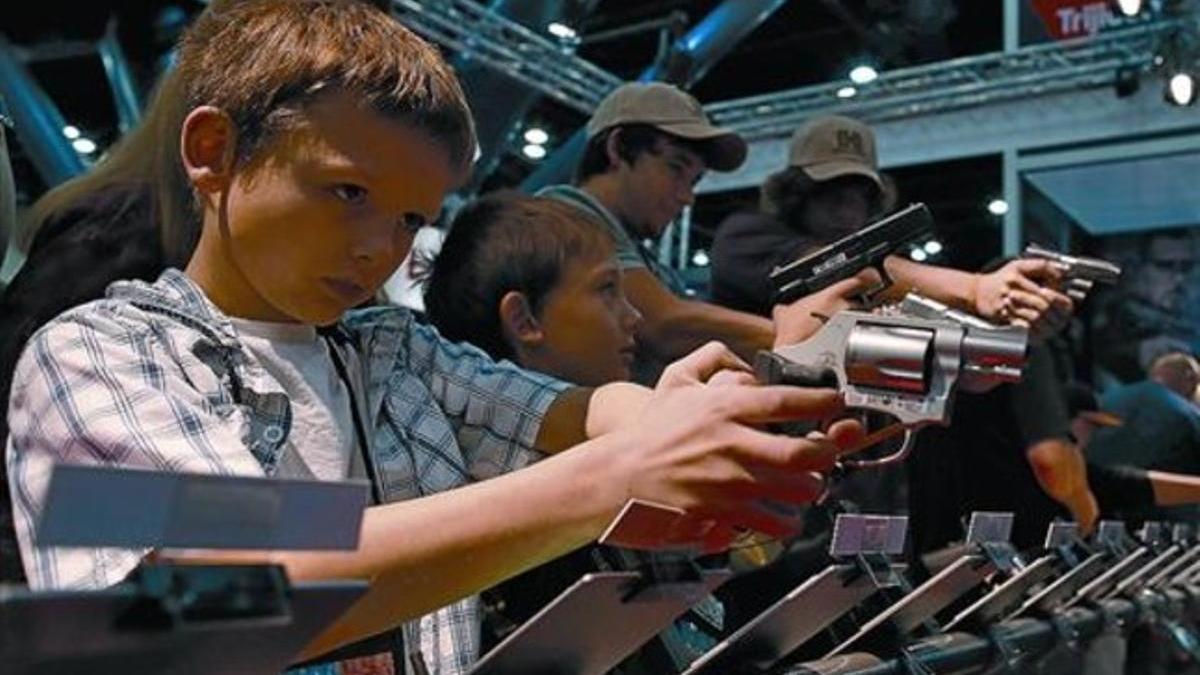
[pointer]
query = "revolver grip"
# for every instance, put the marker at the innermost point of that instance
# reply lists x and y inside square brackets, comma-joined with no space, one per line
[770,368]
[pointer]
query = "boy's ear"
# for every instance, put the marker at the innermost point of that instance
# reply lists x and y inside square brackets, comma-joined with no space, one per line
[521,328]
[611,148]
[206,145]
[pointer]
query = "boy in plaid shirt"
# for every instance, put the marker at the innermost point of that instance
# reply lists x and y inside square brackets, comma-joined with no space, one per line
[321,135]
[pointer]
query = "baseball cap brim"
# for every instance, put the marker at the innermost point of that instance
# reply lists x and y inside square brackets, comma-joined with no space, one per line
[1102,418]
[724,150]
[830,170]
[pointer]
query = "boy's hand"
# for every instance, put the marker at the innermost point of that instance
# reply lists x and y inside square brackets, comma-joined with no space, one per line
[700,450]
[1022,293]
[714,362]
[800,320]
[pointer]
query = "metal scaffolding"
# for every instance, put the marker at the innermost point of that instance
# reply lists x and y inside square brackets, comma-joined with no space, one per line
[545,64]
[969,82]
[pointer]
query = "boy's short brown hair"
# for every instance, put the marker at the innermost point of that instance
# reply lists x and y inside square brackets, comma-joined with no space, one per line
[262,61]
[502,242]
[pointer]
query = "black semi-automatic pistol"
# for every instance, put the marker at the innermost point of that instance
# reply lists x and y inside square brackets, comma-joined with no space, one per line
[850,255]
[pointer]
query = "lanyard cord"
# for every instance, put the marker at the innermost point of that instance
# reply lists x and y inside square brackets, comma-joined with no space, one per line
[360,433]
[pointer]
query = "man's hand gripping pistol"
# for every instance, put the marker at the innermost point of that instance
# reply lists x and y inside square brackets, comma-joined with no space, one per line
[1080,274]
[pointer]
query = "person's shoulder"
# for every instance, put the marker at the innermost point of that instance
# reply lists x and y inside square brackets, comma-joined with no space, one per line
[379,317]
[391,327]
[587,205]
[563,192]
[92,332]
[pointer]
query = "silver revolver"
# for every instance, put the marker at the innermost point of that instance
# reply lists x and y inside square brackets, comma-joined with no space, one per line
[907,362]
[1080,273]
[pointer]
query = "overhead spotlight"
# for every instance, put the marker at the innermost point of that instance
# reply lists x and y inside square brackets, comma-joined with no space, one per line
[863,75]
[1127,81]
[561,31]
[536,136]
[83,146]
[534,151]
[997,207]
[846,92]
[918,254]
[71,132]
[1181,88]
[933,247]
[1130,7]
[700,258]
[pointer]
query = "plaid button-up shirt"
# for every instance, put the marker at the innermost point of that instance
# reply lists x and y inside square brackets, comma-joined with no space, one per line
[154,377]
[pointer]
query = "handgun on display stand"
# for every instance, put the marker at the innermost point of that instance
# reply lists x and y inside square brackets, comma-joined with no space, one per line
[850,255]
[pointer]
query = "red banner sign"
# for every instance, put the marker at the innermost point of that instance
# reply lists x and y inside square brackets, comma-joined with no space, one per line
[1066,19]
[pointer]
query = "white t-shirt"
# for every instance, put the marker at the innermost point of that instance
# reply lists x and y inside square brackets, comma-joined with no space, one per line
[321,444]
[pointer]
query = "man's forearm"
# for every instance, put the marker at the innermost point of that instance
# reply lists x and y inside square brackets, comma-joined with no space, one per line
[1174,489]
[950,286]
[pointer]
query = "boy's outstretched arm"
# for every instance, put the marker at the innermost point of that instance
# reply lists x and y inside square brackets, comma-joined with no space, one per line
[695,448]
[84,396]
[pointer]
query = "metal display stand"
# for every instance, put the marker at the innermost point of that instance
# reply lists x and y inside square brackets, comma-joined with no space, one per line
[203,620]
[864,544]
[599,621]
[182,618]
[998,602]
[988,551]
[1111,542]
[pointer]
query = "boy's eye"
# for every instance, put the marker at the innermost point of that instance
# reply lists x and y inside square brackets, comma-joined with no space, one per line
[349,193]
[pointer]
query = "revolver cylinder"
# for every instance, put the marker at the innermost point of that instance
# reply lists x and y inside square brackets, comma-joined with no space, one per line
[889,357]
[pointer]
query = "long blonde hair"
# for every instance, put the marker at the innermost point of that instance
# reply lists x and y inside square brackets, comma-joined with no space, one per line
[147,160]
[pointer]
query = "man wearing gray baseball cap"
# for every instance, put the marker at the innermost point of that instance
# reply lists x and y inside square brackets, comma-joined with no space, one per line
[649,143]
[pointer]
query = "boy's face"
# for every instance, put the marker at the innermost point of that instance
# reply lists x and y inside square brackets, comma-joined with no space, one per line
[587,324]
[326,214]
[657,185]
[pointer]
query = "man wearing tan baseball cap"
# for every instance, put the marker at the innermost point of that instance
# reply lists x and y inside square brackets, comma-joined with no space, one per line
[649,143]
[672,111]
[830,187]
[834,147]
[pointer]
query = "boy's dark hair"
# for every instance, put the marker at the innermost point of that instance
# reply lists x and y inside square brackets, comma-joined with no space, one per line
[504,242]
[263,61]
[632,141]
